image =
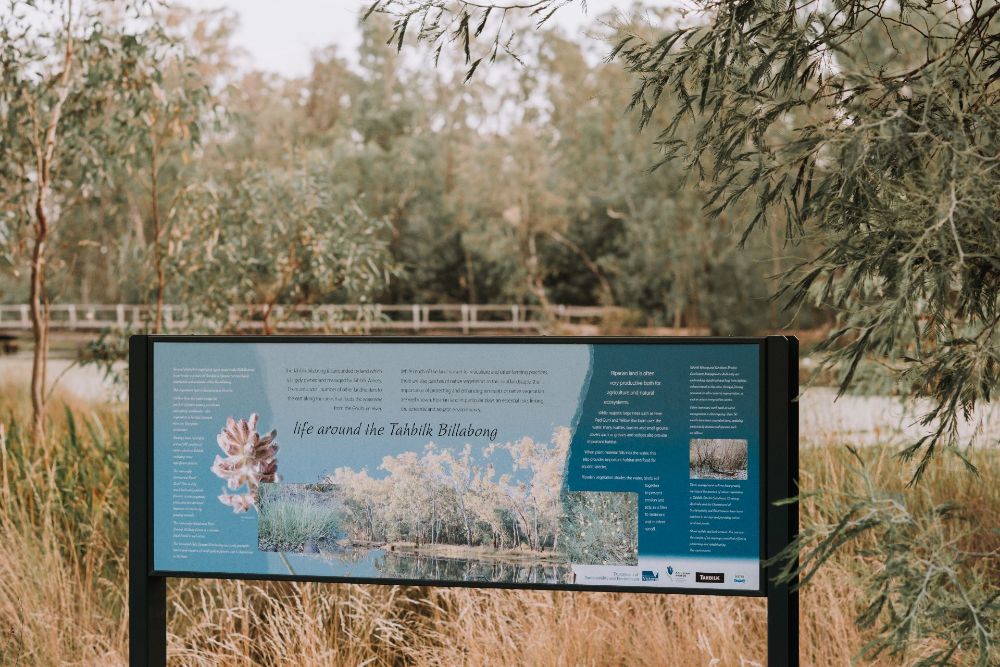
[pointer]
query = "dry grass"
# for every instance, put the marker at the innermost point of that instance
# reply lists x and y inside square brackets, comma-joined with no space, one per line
[63,537]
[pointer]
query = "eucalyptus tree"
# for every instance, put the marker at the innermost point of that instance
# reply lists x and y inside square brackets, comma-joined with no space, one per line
[873,130]
[531,491]
[534,178]
[68,75]
[405,163]
[363,495]
[867,133]
[278,237]
[869,128]
[172,102]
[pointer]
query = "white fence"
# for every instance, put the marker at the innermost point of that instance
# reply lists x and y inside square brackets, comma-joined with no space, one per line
[368,318]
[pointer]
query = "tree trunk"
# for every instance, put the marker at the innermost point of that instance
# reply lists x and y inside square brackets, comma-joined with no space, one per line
[39,322]
[607,295]
[536,282]
[157,239]
[371,522]
[470,274]
[266,321]
[465,513]
[433,522]
[45,149]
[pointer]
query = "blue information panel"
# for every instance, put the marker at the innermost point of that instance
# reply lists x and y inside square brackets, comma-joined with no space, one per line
[568,464]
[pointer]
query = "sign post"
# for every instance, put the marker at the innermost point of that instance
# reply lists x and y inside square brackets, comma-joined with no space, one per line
[782,470]
[651,465]
[147,595]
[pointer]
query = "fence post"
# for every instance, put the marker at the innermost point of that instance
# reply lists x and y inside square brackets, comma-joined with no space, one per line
[416,317]
[465,318]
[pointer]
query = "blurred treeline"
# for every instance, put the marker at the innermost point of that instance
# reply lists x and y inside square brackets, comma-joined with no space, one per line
[527,184]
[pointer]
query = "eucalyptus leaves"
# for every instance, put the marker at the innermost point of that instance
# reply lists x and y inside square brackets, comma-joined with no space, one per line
[251,460]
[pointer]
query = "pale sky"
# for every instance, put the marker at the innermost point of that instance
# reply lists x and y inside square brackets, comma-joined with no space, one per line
[279,35]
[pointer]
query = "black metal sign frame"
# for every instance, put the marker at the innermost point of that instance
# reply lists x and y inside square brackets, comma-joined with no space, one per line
[779,475]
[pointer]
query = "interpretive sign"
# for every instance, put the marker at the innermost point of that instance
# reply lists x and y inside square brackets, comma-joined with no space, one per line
[647,464]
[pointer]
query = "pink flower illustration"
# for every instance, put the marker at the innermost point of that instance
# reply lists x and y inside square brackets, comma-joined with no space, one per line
[240,502]
[250,461]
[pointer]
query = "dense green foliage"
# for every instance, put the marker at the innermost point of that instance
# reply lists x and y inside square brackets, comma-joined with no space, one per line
[278,237]
[80,94]
[872,130]
[532,187]
[868,133]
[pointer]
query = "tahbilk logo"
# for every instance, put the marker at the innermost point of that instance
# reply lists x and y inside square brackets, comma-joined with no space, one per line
[649,575]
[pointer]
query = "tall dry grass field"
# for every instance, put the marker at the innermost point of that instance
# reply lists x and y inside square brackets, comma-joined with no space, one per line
[63,534]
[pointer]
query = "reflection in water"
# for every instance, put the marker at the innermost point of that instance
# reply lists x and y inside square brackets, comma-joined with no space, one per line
[398,566]
[390,565]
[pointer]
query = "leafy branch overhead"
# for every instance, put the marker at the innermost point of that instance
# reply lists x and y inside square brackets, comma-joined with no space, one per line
[866,131]
[470,24]
[872,130]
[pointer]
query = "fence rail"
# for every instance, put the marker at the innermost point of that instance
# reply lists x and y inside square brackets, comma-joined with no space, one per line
[369,318]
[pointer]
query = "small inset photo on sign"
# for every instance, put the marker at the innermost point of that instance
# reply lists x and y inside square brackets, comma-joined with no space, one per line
[600,528]
[718,459]
[306,518]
